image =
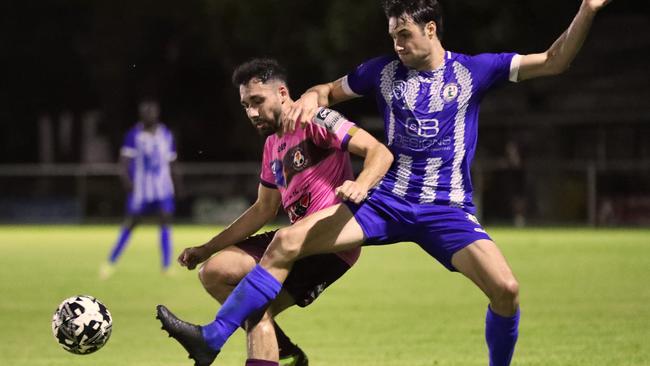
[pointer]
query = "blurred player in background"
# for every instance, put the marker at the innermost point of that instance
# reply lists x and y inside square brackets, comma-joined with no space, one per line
[148,175]
[303,171]
[429,98]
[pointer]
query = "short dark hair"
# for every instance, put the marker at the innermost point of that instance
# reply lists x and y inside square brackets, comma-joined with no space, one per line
[421,11]
[264,69]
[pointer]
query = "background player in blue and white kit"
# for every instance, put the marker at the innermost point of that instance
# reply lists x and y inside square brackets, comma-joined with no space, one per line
[429,98]
[147,159]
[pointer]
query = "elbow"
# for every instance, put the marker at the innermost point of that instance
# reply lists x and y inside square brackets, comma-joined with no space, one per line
[386,155]
[558,69]
[554,66]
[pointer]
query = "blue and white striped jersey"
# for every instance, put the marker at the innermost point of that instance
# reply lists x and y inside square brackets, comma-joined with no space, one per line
[431,121]
[150,153]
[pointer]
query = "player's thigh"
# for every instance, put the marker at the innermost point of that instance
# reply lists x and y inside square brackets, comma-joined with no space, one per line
[484,264]
[330,230]
[227,267]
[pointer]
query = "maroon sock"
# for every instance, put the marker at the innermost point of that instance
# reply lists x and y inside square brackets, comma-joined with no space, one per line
[255,362]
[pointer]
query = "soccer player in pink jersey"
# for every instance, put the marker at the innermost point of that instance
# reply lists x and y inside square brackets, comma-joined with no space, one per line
[305,171]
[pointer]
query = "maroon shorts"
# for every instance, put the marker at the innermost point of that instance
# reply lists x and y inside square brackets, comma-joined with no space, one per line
[309,276]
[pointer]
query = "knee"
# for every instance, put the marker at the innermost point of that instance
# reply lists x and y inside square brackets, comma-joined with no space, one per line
[508,292]
[212,275]
[286,245]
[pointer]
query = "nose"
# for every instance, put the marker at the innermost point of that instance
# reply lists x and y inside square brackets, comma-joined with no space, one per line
[252,113]
[397,46]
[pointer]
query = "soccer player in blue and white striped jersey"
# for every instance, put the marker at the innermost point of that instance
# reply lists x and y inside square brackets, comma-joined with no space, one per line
[147,158]
[429,98]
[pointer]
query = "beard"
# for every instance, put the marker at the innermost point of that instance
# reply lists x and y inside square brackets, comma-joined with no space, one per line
[266,128]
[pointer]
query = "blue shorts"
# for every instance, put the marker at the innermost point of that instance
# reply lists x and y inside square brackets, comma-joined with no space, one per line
[165,205]
[440,230]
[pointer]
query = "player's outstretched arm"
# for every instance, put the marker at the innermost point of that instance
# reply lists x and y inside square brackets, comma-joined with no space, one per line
[304,109]
[559,56]
[261,212]
[377,160]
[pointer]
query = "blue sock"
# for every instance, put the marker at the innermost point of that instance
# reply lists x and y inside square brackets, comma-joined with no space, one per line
[252,294]
[121,243]
[165,246]
[501,335]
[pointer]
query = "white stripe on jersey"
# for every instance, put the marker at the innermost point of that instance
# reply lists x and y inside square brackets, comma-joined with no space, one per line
[412,90]
[436,104]
[464,78]
[138,181]
[404,168]
[430,181]
[387,79]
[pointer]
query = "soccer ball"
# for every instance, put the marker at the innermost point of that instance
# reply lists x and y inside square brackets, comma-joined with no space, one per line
[81,324]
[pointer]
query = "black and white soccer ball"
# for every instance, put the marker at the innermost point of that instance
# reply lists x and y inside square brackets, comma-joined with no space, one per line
[81,324]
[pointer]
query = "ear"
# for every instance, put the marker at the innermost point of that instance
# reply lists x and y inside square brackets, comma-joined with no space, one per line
[430,29]
[283,91]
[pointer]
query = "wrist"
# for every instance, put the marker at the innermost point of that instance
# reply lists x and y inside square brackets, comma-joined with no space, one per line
[588,9]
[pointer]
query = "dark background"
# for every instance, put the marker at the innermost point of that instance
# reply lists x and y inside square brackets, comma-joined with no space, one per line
[66,60]
[79,55]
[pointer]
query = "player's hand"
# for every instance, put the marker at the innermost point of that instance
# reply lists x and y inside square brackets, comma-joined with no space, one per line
[302,111]
[352,191]
[193,256]
[596,5]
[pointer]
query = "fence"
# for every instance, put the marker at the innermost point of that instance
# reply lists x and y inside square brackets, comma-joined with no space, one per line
[540,193]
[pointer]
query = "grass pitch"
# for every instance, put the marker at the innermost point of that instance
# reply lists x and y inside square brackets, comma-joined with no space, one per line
[585,298]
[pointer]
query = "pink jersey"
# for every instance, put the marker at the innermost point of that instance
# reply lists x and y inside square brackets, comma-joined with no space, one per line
[307,165]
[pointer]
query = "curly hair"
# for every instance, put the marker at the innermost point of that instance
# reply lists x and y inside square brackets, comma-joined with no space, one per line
[264,69]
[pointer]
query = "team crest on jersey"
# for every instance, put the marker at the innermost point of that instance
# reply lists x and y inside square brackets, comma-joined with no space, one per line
[399,89]
[450,92]
[300,160]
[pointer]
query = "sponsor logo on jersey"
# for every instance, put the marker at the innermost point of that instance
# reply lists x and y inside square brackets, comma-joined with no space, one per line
[450,92]
[299,208]
[323,113]
[278,174]
[473,219]
[329,119]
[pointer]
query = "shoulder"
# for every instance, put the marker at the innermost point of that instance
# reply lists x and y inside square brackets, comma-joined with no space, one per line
[481,59]
[133,132]
[164,129]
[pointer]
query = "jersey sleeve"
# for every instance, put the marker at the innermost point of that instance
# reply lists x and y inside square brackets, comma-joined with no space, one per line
[492,69]
[128,145]
[267,178]
[330,129]
[364,79]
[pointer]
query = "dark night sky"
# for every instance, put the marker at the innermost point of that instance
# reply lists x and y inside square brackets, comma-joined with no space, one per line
[80,55]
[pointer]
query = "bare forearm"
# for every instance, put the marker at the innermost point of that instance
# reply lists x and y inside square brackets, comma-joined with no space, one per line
[375,165]
[322,94]
[564,50]
[244,226]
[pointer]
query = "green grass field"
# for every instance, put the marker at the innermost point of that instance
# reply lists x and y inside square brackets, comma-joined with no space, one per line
[585,298]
